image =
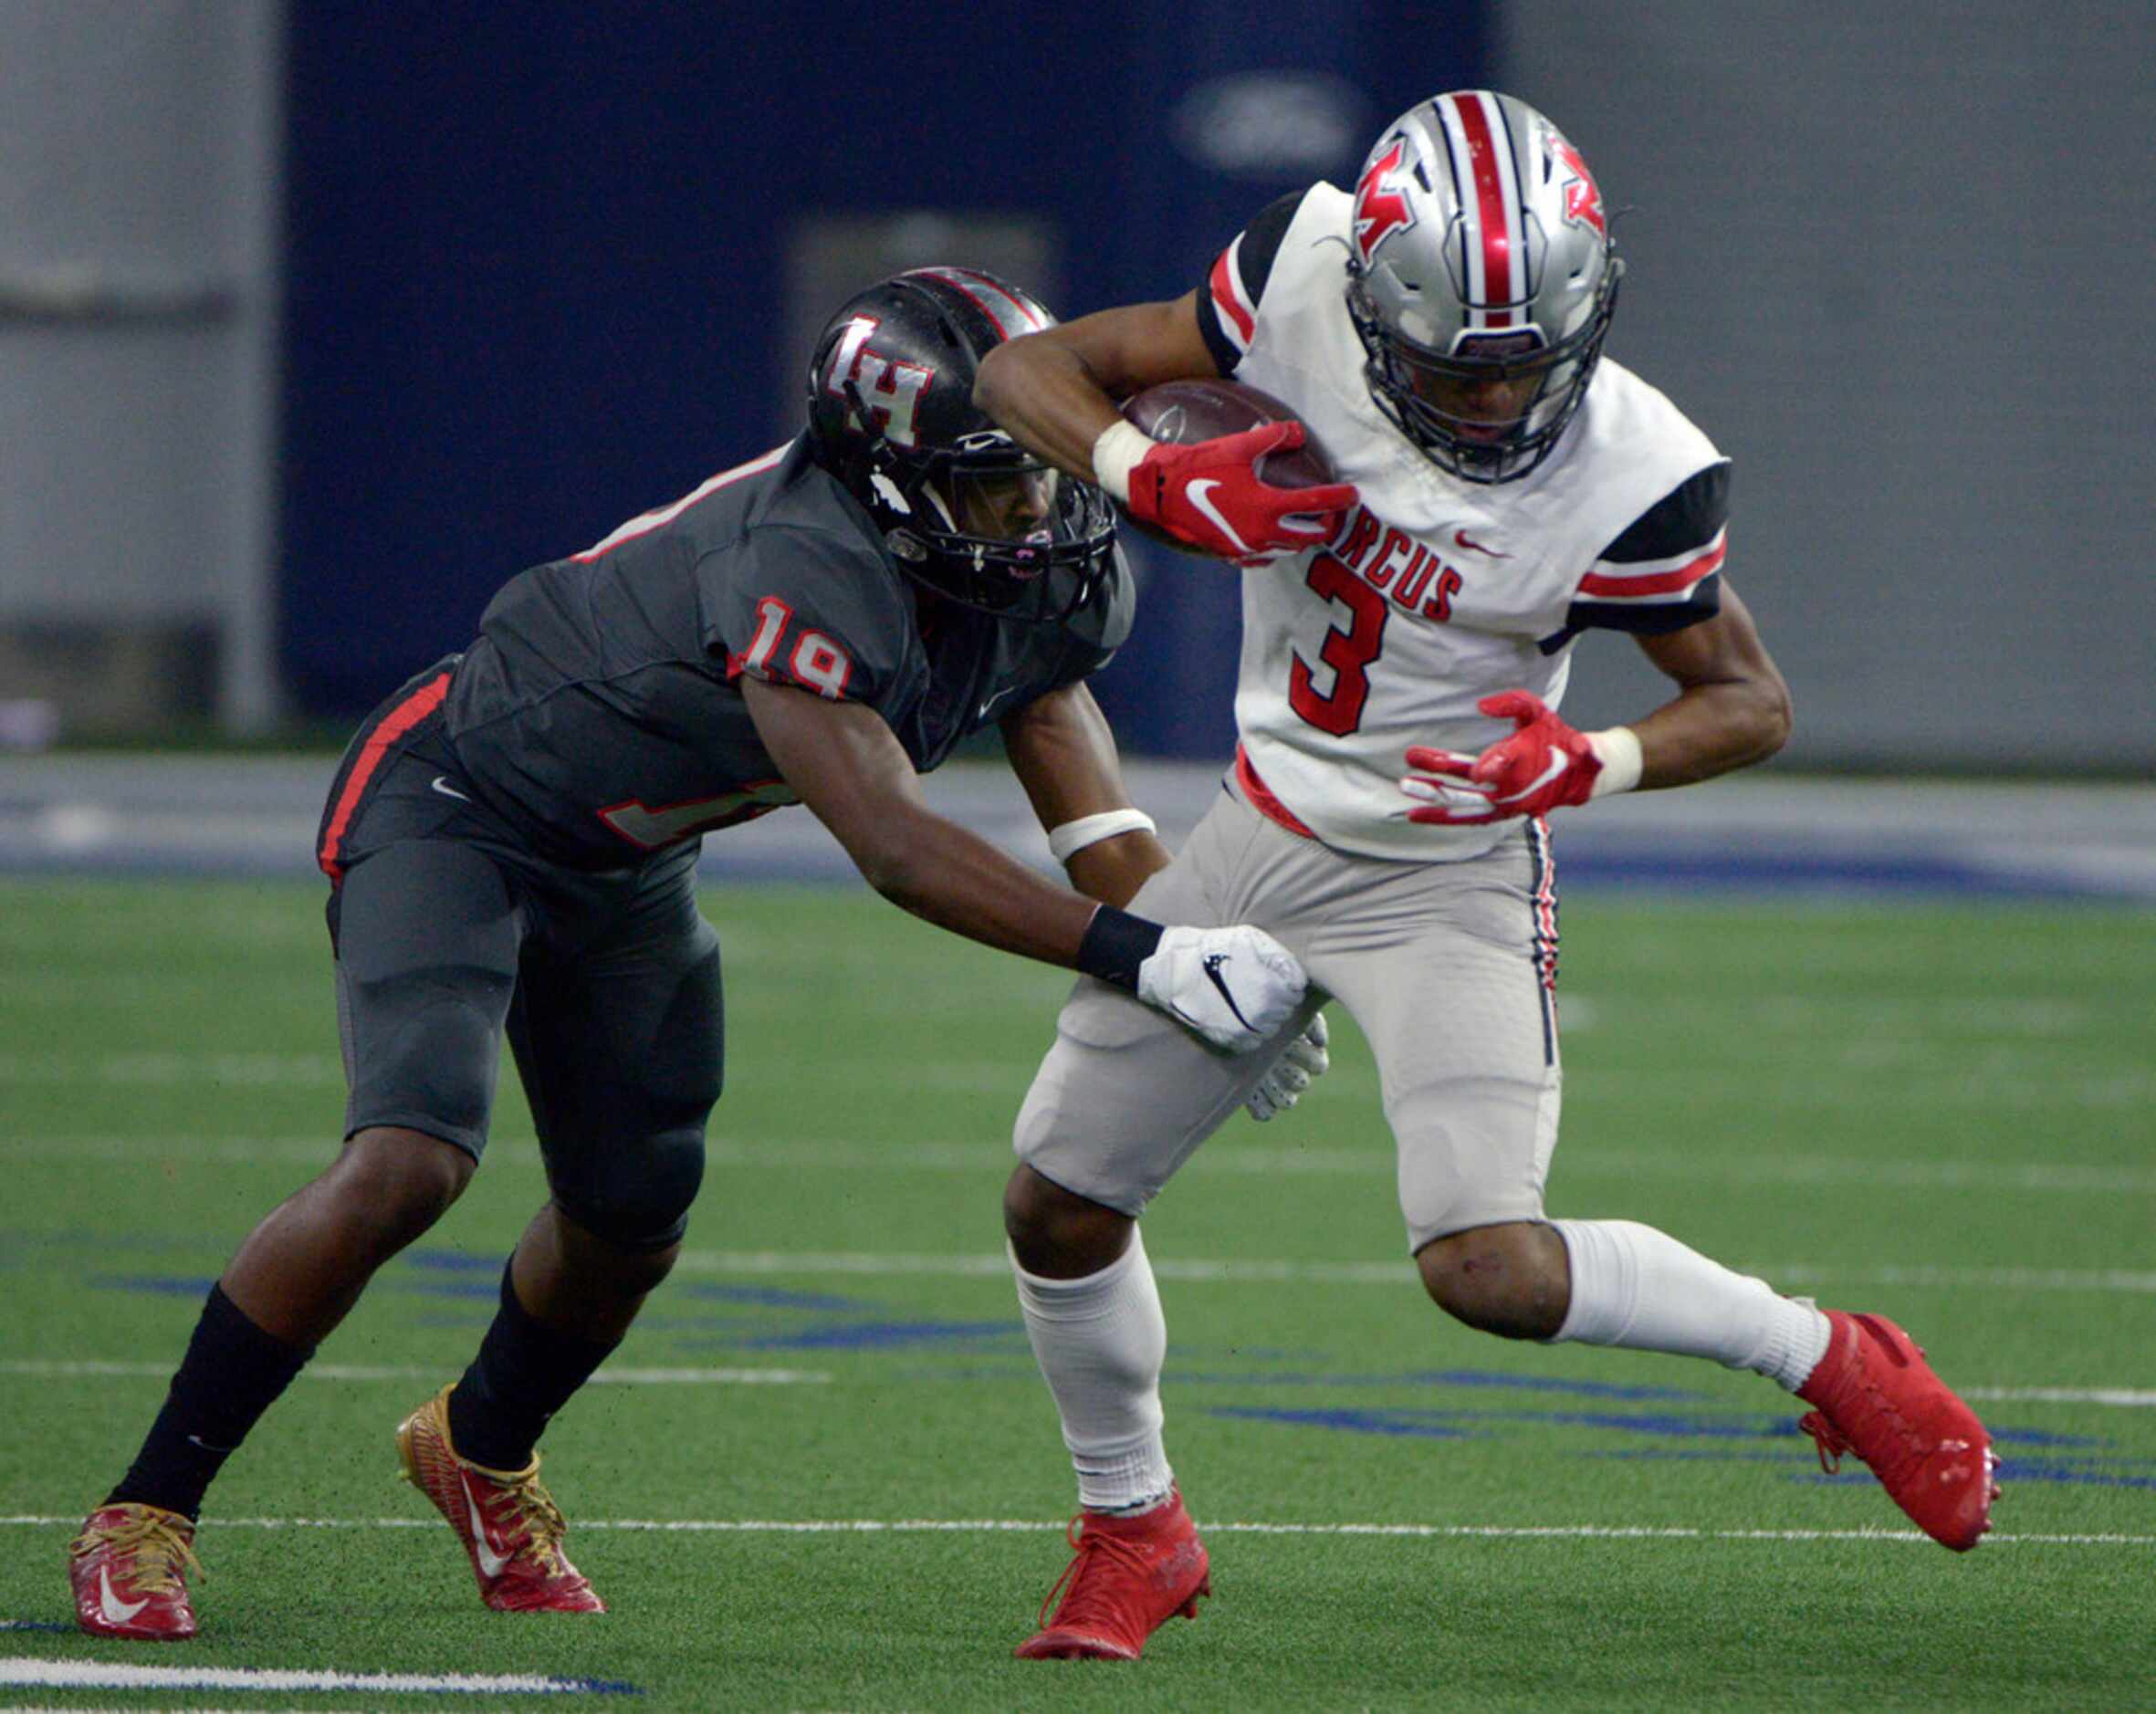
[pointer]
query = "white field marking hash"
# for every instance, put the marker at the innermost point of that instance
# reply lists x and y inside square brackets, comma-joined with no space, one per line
[993,1155]
[1396,1273]
[101,1674]
[55,1369]
[998,1526]
[1991,1086]
[2129,1398]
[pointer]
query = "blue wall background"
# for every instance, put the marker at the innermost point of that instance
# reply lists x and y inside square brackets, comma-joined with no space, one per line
[537,254]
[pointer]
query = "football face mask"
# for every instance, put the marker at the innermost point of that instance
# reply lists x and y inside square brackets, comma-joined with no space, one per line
[1480,280]
[963,509]
[992,527]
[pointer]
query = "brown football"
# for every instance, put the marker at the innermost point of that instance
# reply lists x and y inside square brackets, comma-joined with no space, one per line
[1181,411]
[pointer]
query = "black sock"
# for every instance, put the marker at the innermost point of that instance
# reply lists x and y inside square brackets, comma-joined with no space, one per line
[524,1372]
[233,1372]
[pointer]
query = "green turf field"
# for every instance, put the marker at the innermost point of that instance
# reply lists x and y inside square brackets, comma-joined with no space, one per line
[1944,1114]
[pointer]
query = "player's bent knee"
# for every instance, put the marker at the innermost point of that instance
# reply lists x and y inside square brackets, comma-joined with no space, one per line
[398,1182]
[1056,1233]
[1511,1279]
[636,1200]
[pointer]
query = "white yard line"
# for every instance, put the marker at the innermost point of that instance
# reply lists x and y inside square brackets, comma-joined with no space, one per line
[104,1675]
[1003,1526]
[90,1368]
[50,1369]
[993,1155]
[1402,1273]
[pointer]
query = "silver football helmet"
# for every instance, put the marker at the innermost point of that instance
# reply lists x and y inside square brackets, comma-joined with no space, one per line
[1481,277]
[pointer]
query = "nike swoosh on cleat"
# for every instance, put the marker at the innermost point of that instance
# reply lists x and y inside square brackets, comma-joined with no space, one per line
[442,785]
[111,1608]
[1196,493]
[1213,961]
[491,1565]
[1559,762]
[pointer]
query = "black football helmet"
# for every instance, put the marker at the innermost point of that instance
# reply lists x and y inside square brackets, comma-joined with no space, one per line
[963,509]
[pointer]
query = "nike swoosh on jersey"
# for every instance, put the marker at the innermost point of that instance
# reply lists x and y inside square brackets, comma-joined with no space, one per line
[440,784]
[1559,762]
[1472,546]
[1213,961]
[1197,493]
[111,1607]
[491,1565]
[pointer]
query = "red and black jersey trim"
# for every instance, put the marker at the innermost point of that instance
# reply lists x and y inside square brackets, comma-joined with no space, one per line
[389,726]
[1683,520]
[1227,297]
[1664,573]
[1543,935]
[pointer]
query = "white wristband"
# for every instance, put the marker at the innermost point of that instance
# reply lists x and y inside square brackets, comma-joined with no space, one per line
[1118,451]
[1618,749]
[1073,837]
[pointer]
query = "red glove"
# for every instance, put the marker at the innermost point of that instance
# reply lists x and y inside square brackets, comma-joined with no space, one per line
[1209,495]
[1543,766]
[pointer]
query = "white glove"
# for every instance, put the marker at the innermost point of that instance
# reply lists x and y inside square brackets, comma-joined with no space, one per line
[1301,1062]
[1235,987]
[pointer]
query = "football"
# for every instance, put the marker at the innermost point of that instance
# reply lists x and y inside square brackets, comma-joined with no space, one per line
[1181,411]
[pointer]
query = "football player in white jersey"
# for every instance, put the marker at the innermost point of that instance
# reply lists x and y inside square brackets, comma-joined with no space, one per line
[1406,639]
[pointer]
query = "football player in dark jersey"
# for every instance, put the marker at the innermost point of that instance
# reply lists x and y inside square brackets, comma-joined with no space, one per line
[511,841]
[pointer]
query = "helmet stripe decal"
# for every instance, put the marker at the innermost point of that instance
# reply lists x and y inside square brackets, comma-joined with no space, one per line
[1010,316]
[1473,126]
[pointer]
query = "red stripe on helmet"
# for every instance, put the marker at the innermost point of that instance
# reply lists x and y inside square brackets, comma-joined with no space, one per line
[1010,316]
[1498,239]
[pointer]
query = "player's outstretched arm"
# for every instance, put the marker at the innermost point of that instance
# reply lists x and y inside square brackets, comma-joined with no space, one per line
[1063,753]
[1732,709]
[1236,987]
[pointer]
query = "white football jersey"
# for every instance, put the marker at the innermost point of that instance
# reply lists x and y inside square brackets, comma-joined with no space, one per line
[1435,592]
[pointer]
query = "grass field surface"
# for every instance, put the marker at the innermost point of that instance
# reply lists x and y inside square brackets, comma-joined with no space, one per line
[823,1473]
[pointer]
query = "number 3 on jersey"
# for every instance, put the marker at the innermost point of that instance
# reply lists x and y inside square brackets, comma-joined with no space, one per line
[1348,653]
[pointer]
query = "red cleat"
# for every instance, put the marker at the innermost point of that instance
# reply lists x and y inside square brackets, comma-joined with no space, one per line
[509,1525]
[125,1568]
[1130,1576]
[1878,1398]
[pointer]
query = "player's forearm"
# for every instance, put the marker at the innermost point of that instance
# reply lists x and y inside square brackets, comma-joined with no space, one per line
[945,875]
[1712,730]
[1049,400]
[1113,869]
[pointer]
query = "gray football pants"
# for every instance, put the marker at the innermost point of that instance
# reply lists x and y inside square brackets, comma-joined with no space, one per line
[1448,969]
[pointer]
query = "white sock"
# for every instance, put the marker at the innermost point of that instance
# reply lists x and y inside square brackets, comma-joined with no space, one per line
[1100,1342]
[1639,1288]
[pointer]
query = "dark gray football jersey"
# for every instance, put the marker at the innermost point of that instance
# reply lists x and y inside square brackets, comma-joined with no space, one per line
[600,709]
